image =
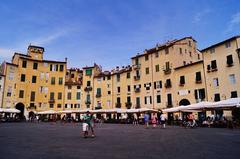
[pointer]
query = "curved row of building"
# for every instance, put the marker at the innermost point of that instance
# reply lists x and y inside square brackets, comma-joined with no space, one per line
[168,75]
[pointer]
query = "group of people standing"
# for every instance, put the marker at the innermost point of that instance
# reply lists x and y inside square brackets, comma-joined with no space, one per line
[155,119]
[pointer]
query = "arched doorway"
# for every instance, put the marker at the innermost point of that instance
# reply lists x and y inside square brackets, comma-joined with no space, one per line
[20,106]
[184,102]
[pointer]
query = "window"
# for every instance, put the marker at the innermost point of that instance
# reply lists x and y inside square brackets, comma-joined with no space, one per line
[88,72]
[59,105]
[166,50]
[51,95]
[35,66]
[128,75]
[24,64]
[199,94]
[56,67]
[21,93]
[108,77]
[34,79]
[190,53]
[78,95]
[118,100]
[51,105]
[60,81]
[147,70]
[232,79]
[146,57]
[229,60]
[167,65]
[61,68]
[109,92]
[214,64]
[217,97]
[180,50]
[59,95]
[157,84]
[32,98]
[23,76]
[69,96]
[157,68]
[227,44]
[190,43]
[212,50]
[156,54]
[78,87]
[9,91]
[72,75]
[129,88]
[99,91]
[182,80]
[128,99]
[88,83]
[51,67]
[158,98]
[53,80]
[169,100]
[41,75]
[118,77]
[137,102]
[198,77]
[215,82]
[148,99]
[118,89]
[136,61]
[234,94]
[168,83]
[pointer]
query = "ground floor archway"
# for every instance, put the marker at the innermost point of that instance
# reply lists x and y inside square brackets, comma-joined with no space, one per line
[184,102]
[20,106]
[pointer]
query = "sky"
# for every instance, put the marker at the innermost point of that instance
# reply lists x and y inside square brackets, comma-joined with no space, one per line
[110,32]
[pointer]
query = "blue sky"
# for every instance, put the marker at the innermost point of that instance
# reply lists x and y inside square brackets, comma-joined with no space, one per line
[110,32]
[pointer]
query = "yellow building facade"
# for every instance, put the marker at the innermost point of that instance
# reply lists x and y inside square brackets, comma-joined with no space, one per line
[32,83]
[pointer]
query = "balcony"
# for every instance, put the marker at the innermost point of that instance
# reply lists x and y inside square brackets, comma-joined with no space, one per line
[229,63]
[137,106]
[198,81]
[137,90]
[169,104]
[51,101]
[167,85]
[128,105]
[87,102]
[137,66]
[167,71]
[118,105]
[88,88]
[98,95]
[98,107]
[136,78]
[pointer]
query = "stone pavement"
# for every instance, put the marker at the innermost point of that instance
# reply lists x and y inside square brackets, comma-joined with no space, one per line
[116,141]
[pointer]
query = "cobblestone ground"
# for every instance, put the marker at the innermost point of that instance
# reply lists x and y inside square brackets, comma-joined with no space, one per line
[47,140]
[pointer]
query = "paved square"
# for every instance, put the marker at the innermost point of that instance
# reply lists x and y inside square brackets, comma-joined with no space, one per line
[47,140]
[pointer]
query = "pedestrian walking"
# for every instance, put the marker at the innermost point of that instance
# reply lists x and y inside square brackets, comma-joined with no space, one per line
[163,121]
[85,125]
[146,119]
[91,125]
[154,121]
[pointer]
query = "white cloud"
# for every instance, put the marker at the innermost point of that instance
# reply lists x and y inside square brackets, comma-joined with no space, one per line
[49,38]
[235,21]
[200,15]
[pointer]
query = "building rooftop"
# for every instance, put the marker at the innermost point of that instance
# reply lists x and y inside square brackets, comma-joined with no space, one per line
[161,46]
[220,43]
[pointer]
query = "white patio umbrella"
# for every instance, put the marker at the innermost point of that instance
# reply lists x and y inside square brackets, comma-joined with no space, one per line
[228,103]
[9,110]
[196,106]
[48,112]
[66,111]
[132,110]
